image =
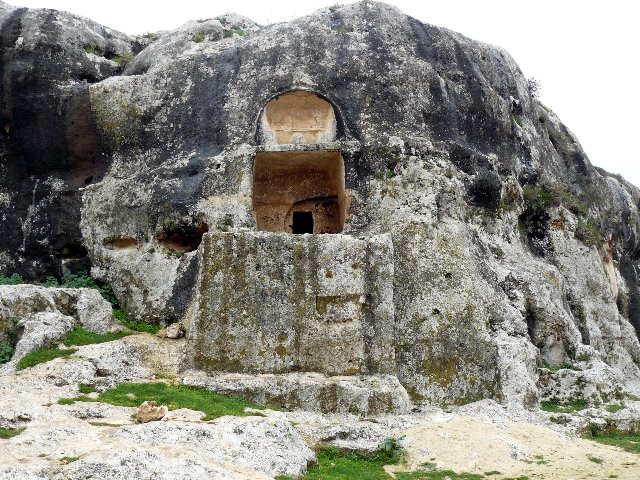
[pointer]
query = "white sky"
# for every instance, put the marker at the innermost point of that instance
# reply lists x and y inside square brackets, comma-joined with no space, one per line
[583,52]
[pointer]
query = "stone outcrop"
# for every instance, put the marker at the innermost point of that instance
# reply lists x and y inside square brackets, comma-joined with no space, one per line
[361,395]
[488,246]
[33,317]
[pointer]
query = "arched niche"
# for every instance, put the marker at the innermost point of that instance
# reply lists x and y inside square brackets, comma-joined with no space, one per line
[297,118]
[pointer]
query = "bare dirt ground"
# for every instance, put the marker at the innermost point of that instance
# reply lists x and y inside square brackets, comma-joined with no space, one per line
[471,444]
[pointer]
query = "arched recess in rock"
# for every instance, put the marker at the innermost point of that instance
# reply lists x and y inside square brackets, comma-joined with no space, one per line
[298,189]
[297,117]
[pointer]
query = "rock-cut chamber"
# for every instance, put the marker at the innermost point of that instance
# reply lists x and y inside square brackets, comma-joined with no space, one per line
[298,191]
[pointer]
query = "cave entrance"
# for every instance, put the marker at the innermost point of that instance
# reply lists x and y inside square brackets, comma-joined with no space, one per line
[302,222]
[299,191]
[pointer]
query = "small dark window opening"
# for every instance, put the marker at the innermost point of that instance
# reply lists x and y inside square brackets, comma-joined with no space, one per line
[302,222]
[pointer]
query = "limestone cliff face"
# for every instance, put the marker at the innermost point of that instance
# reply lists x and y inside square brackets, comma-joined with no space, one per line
[487,243]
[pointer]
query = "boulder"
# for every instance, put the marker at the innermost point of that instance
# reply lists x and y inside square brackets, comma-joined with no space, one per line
[32,317]
[150,411]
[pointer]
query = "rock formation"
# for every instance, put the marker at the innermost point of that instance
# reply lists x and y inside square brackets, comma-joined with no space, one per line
[460,240]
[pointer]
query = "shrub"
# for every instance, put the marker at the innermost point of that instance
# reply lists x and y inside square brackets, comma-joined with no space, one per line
[14,279]
[123,59]
[534,87]
[198,37]
[6,352]
[589,233]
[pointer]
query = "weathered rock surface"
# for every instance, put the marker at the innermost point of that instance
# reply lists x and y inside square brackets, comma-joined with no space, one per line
[363,395]
[173,331]
[493,246]
[33,317]
[151,412]
[108,444]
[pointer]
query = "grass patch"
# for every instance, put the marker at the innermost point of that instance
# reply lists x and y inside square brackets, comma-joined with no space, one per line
[538,460]
[627,441]
[10,432]
[555,406]
[105,424]
[214,405]
[86,388]
[79,336]
[335,464]
[561,366]
[616,407]
[593,459]
[437,475]
[43,355]
[135,326]
[69,459]
[339,465]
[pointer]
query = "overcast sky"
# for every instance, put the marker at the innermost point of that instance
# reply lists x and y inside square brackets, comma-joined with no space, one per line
[584,53]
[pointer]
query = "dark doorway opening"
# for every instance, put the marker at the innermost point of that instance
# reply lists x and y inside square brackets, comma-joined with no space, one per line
[302,222]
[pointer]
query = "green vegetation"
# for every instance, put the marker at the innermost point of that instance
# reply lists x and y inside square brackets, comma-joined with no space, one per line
[333,463]
[237,30]
[14,279]
[555,406]
[544,197]
[589,233]
[123,59]
[105,424]
[43,355]
[613,408]
[212,404]
[79,336]
[6,352]
[627,441]
[86,388]
[538,460]
[561,366]
[199,36]
[135,326]
[10,432]
[518,120]
[339,465]
[69,459]
[437,475]
[89,48]
[343,30]
[597,460]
